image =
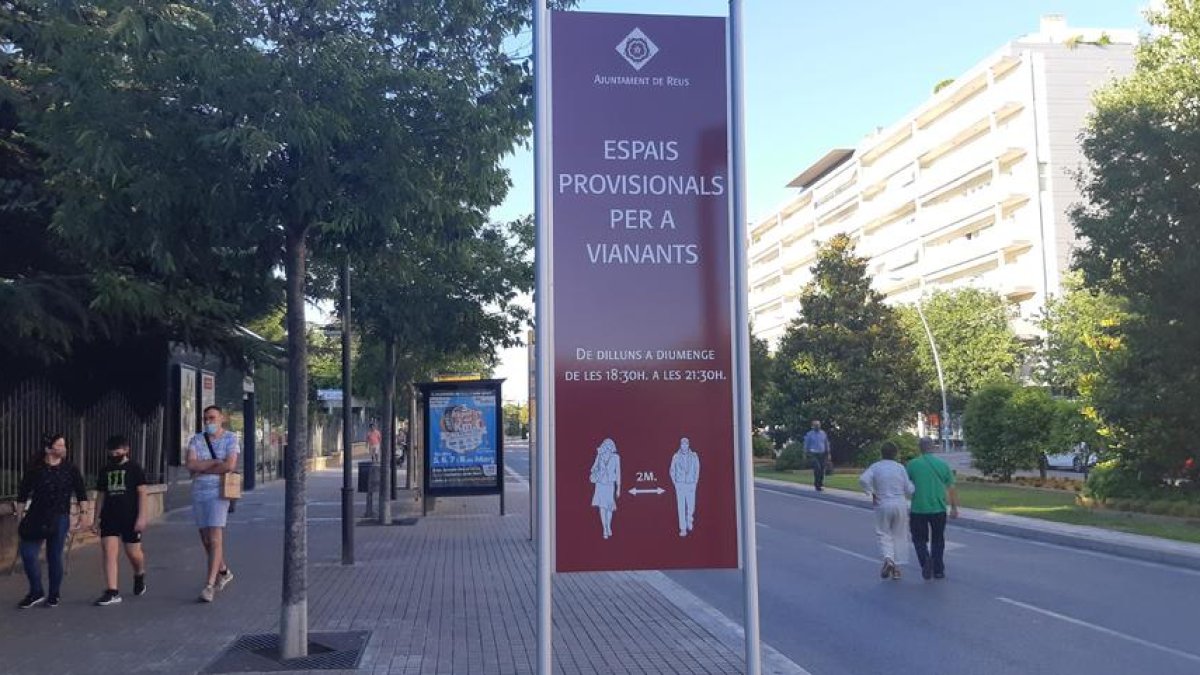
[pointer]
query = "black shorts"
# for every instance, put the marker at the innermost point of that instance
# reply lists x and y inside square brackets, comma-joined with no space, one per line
[120,528]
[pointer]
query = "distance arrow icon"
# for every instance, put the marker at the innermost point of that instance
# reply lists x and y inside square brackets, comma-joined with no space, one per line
[639,491]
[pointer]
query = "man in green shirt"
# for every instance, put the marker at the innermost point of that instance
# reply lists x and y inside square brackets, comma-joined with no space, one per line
[934,482]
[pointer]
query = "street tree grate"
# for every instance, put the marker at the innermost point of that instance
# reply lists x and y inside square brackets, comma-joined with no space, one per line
[260,653]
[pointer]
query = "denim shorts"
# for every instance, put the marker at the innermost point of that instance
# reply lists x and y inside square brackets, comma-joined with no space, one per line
[209,511]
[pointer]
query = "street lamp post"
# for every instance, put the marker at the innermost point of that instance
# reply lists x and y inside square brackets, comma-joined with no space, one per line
[347,441]
[937,364]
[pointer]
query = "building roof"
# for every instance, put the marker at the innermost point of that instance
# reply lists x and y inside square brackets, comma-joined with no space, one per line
[819,169]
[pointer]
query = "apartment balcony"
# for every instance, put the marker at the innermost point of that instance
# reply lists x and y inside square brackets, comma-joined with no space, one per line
[830,206]
[972,132]
[1018,287]
[799,254]
[988,244]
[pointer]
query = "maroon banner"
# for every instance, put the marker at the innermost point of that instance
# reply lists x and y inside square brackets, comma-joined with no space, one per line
[644,426]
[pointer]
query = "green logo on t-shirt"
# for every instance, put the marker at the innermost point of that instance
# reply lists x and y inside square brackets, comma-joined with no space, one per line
[116,481]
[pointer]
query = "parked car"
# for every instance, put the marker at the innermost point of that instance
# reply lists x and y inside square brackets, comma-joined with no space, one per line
[1079,459]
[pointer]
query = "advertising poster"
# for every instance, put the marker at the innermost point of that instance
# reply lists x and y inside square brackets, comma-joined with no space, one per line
[463,438]
[188,412]
[208,389]
[642,305]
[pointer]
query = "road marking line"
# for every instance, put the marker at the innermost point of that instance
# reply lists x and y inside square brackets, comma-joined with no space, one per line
[512,473]
[848,552]
[763,525]
[1101,629]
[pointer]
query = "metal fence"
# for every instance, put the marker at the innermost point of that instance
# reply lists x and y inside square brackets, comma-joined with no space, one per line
[35,408]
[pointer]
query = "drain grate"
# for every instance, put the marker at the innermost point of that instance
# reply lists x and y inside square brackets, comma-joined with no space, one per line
[260,653]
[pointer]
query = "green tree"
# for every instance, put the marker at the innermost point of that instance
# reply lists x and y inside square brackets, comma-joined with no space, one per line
[1141,232]
[198,147]
[760,382]
[845,360]
[1082,329]
[975,341]
[1007,428]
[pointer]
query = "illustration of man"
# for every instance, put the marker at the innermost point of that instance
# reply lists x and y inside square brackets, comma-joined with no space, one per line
[685,473]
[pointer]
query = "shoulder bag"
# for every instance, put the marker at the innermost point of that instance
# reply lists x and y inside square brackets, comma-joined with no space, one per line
[231,482]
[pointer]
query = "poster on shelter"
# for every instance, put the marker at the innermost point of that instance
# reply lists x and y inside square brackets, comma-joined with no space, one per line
[463,442]
[188,413]
[642,302]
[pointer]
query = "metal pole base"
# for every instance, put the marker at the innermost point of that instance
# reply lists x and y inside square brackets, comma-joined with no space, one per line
[347,526]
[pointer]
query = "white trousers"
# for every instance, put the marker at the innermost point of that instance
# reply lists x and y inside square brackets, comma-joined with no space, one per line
[685,503]
[891,526]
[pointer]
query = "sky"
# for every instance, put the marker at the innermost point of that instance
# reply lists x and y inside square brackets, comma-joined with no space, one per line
[821,75]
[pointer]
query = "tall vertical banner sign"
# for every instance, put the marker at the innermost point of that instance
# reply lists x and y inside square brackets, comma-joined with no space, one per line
[642,294]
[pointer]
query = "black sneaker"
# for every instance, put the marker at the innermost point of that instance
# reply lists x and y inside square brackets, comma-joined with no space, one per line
[939,575]
[52,601]
[110,597]
[926,571]
[139,584]
[31,601]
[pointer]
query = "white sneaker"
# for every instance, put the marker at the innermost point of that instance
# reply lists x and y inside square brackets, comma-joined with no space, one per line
[208,594]
[223,579]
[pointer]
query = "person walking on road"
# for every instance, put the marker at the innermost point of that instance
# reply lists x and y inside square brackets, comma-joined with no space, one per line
[685,473]
[210,454]
[121,503]
[374,441]
[48,484]
[888,484]
[816,445]
[934,483]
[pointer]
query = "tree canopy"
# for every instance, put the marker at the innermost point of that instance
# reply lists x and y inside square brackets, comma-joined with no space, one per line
[1141,231]
[845,360]
[975,341]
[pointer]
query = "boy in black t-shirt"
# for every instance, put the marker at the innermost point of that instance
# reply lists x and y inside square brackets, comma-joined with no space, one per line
[122,507]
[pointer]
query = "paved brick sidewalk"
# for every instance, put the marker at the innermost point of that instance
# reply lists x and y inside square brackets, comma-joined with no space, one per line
[452,594]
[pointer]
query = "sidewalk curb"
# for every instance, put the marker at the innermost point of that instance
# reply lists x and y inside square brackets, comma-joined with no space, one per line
[727,631]
[1122,544]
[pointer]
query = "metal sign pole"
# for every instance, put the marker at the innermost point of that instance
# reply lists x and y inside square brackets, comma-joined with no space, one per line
[741,331]
[543,219]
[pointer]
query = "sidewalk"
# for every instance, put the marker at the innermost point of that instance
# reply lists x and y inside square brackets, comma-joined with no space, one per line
[454,594]
[1137,546]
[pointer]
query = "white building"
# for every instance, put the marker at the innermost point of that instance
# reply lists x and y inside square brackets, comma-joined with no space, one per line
[972,187]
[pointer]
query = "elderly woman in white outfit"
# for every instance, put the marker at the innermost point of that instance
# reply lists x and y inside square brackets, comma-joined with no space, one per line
[890,488]
[606,475]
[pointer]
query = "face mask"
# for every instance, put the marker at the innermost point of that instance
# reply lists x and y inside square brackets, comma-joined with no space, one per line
[211,428]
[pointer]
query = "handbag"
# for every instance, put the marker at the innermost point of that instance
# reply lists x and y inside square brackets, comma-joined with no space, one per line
[231,482]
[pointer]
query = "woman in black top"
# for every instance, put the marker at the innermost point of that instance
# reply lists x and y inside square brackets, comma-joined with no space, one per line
[49,482]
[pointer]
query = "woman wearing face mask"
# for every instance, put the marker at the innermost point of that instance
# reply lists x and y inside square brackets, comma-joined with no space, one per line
[47,486]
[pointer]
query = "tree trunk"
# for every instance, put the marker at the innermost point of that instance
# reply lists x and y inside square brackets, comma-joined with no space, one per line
[389,435]
[293,623]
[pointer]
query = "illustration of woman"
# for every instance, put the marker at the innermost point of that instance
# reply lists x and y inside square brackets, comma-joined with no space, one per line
[606,475]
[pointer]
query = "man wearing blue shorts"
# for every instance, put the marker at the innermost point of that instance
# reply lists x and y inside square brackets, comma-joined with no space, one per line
[210,454]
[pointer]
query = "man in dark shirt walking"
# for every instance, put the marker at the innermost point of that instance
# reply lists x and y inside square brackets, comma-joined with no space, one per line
[122,506]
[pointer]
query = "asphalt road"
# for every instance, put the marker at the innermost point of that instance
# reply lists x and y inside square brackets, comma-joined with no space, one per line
[1007,606]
